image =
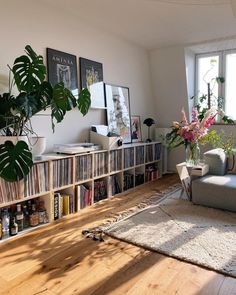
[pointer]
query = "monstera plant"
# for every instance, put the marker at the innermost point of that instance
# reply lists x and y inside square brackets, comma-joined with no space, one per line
[34,95]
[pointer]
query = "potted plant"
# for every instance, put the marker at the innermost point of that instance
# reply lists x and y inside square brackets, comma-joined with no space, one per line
[34,95]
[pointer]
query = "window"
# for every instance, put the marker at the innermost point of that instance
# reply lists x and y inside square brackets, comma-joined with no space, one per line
[216,80]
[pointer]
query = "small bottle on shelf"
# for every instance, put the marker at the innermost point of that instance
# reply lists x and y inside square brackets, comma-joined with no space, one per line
[19,217]
[42,213]
[34,216]
[13,227]
[5,223]
[26,216]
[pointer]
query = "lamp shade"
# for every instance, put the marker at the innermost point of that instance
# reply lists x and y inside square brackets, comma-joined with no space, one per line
[149,122]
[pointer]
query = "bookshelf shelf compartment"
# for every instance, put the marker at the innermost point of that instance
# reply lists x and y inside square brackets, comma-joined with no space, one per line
[83,167]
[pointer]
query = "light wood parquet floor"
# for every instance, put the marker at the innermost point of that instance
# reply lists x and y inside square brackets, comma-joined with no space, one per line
[57,259]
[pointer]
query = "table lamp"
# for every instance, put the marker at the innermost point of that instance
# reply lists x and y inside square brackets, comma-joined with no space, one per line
[149,122]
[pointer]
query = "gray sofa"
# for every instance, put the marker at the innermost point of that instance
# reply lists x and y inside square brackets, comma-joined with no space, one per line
[217,189]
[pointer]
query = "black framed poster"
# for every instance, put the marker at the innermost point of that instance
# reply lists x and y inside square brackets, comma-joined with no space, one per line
[62,67]
[91,77]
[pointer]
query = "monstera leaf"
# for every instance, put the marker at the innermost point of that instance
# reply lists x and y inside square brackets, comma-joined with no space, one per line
[27,104]
[44,94]
[15,160]
[29,71]
[62,101]
[84,101]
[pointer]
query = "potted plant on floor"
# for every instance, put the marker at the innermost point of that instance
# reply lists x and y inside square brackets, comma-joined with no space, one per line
[34,95]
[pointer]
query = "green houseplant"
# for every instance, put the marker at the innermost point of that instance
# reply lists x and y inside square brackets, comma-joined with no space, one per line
[34,95]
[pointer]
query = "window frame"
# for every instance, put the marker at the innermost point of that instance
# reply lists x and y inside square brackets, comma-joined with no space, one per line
[222,72]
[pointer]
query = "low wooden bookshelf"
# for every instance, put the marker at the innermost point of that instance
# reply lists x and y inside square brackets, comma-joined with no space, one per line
[68,183]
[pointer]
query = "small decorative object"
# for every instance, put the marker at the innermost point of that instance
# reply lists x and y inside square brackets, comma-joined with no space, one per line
[149,122]
[62,67]
[191,133]
[118,111]
[91,77]
[38,146]
[136,129]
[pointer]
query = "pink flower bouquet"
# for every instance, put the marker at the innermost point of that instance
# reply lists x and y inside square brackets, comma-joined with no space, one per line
[186,132]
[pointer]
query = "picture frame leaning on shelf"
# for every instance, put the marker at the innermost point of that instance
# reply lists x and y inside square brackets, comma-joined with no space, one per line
[136,133]
[118,111]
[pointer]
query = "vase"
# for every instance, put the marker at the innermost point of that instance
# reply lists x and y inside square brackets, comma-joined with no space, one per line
[192,154]
[38,146]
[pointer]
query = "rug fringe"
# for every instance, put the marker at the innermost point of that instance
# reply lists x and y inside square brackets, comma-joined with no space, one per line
[97,233]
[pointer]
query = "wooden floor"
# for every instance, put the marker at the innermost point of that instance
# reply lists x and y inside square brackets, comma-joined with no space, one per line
[57,259]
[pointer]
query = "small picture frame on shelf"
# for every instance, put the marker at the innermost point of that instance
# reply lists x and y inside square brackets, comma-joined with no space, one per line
[91,77]
[136,134]
[118,111]
[62,67]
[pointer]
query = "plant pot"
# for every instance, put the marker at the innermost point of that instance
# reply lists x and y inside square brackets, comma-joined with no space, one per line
[13,139]
[37,145]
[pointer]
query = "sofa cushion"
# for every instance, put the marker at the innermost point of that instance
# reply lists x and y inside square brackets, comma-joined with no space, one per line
[215,191]
[217,161]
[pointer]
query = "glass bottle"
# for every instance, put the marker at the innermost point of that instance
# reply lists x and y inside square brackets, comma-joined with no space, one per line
[26,216]
[19,217]
[5,223]
[13,227]
[34,216]
[42,213]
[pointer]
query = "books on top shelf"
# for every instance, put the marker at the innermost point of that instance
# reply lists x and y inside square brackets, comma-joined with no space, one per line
[9,191]
[37,180]
[149,153]
[139,158]
[100,164]
[157,151]
[128,157]
[115,160]
[83,167]
[62,172]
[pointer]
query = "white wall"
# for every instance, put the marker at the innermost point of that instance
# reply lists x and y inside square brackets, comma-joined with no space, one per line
[30,22]
[170,91]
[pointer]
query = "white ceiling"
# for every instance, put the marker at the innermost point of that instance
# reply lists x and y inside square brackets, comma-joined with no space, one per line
[156,23]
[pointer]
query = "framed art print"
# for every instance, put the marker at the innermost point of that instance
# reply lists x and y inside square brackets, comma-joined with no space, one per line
[136,134]
[118,111]
[91,77]
[62,67]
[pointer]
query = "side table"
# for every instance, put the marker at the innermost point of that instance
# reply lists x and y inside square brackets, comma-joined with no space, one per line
[186,174]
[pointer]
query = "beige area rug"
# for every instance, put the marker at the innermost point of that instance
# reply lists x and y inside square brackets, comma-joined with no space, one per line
[177,228]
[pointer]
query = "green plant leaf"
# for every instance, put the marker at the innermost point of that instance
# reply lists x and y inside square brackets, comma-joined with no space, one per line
[62,101]
[84,101]
[7,102]
[27,104]
[15,160]
[29,71]
[44,95]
